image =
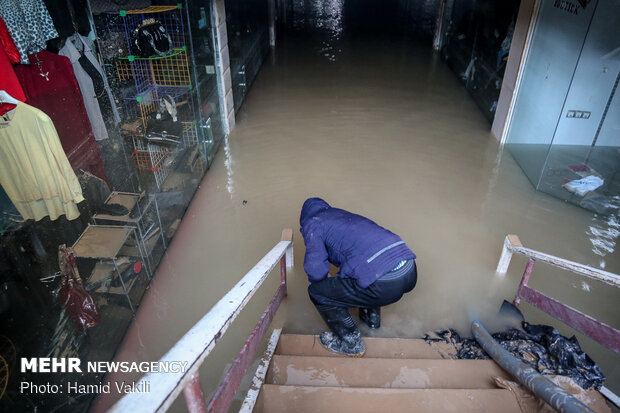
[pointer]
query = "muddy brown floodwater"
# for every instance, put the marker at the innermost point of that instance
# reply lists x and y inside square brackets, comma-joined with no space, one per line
[380,126]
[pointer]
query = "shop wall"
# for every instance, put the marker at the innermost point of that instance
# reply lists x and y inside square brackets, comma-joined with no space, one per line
[594,78]
[556,45]
[515,57]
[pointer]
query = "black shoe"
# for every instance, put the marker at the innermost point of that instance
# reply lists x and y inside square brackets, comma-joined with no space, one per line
[371,316]
[351,345]
[112,209]
[344,337]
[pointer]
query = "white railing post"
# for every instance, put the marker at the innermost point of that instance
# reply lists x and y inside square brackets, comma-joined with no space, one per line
[510,242]
[512,245]
[287,235]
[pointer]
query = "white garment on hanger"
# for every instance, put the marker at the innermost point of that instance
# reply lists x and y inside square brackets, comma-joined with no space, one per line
[86,84]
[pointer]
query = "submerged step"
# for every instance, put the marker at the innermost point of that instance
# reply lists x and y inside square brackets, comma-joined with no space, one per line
[408,348]
[301,399]
[383,372]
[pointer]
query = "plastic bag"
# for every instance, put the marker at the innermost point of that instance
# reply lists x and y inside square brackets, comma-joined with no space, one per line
[584,185]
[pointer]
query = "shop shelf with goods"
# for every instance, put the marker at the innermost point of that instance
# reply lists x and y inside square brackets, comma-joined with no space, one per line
[114,248]
[143,214]
[146,80]
[161,159]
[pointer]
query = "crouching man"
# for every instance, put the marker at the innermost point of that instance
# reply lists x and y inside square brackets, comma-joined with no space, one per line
[375,269]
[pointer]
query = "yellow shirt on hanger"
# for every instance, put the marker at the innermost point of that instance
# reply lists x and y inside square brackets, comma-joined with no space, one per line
[34,169]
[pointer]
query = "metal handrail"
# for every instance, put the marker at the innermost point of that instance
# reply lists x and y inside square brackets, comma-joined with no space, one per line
[591,327]
[200,340]
[512,244]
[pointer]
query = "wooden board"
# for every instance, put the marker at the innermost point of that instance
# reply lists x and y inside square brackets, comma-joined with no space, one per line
[101,241]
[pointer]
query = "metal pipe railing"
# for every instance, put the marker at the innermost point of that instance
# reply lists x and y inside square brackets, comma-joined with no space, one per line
[200,340]
[512,245]
[596,330]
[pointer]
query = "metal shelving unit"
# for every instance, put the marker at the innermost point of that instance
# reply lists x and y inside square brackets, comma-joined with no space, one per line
[152,78]
[147,222]
[106,244]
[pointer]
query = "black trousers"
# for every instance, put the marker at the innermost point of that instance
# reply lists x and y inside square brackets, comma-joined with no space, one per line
[345,292]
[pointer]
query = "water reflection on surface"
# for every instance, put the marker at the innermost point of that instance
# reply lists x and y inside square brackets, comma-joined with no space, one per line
[325,19]
[604,232]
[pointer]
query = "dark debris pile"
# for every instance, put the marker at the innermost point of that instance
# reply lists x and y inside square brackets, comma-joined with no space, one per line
[541,347]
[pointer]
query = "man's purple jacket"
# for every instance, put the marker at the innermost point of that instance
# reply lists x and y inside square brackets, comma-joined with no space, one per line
[360,248]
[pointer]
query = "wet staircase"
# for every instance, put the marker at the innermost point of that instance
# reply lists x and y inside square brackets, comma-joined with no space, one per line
[395,375]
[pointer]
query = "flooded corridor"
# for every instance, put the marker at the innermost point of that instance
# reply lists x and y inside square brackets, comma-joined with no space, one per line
[375,123]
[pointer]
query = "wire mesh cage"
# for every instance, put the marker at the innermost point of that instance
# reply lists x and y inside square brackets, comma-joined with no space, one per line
[158,158]
[147,103]
[150,157]
[144,159]
[128,21]
[169,71]
[150,79]
[158,74]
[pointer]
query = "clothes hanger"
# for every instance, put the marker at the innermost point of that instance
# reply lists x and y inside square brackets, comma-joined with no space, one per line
[6,98]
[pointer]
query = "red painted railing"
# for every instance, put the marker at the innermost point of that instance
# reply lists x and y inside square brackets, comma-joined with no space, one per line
[200,340]
[601,332]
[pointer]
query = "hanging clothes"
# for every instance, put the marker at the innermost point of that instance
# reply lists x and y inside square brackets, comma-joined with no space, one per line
[7,43]
[69,16]
[8,80]
[92,80]
[29,23]
[34,170]
[60,98]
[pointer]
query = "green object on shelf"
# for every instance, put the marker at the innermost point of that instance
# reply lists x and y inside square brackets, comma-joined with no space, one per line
[190,87]
[175,52]
[123,13]
[139,99]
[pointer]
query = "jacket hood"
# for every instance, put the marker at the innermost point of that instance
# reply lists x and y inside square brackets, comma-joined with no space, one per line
[311,207]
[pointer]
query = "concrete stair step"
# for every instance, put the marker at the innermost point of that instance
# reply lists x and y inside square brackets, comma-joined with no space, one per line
[308,345]
[302,399]
[383,372]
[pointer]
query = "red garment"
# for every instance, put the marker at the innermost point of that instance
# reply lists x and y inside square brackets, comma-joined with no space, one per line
[7,43]
[9,82]
[60,98]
